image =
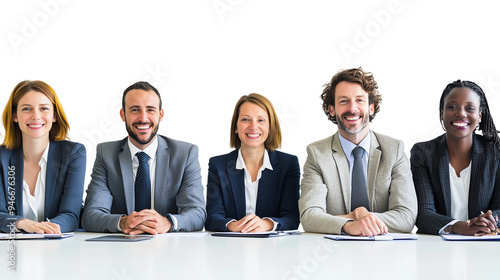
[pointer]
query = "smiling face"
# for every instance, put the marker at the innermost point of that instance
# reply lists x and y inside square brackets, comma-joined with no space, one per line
[142,116]
[352,111]
[252,126]
[35,115]
[461,113]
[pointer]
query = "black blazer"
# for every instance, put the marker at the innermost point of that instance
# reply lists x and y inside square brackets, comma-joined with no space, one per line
[66,164]
[277,197]
[430,168]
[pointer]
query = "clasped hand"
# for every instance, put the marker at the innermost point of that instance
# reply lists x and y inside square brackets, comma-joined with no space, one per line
[251,223]
[145,221]
[482,224]
[364,223]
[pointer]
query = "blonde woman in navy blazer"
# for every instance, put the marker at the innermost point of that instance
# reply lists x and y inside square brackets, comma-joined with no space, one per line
[256,134]
[35,131]
[459,155]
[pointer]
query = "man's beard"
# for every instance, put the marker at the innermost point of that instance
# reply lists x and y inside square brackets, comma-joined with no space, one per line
[134,135]
[340,122]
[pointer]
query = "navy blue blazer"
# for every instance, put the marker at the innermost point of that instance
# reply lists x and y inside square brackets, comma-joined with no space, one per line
[430,168]
[66,163]
[277,197]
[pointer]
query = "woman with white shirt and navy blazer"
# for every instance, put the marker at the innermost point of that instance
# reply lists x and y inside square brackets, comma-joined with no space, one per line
[253,188]
[457,175]
[42,174]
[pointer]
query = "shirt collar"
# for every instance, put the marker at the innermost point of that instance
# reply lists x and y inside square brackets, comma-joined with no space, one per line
[240,162]
[348,146]
[150,150]
[45,156]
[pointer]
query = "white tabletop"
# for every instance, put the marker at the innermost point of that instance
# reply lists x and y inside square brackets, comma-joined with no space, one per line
[202,256]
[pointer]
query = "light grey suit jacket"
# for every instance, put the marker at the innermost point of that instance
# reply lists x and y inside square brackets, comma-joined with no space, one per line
[326,186]
[178,188]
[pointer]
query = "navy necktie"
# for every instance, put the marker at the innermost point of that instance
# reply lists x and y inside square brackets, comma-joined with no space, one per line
[359,190]
[142,183]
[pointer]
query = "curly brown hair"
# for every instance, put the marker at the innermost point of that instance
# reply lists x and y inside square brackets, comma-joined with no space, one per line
[354,75]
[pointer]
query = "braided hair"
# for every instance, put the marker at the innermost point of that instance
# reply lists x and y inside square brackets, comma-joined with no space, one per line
[486,125]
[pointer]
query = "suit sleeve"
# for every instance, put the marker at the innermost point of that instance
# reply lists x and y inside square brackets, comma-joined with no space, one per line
[71,201]
[494,170]
[402,204]
[190,199]
[428,220]
[288,218]
[312,203]
[96,215]
[216,213]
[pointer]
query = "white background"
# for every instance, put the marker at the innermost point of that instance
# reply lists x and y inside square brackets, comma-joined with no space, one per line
[204,55]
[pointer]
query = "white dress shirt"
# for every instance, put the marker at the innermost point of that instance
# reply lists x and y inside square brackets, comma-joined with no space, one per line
[252,188]
[459,189]
[34,205]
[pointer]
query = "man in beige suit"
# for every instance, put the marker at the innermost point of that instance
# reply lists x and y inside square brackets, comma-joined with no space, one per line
[356,181]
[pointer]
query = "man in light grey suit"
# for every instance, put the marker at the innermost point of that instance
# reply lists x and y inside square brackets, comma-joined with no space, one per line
[169,184]
[368,194]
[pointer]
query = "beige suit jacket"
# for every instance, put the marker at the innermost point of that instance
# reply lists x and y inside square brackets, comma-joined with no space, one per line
[326,186]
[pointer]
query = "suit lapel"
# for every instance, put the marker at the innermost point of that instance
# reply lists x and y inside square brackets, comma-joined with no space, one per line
[373,164]
[162,165]
[52,173]
[125,161]
[237,181]
[444,174]
[267,184]
[343,170]
[477,177]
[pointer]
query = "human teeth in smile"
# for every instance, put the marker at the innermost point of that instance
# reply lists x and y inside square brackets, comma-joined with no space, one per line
[353,118]
[35,125]
[460,124]
[253,134]
[142,127]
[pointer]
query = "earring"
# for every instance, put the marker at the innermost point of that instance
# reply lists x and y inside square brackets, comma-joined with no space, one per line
[442,125]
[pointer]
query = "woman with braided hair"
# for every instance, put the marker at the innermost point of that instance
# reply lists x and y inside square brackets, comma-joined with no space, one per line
[457,175]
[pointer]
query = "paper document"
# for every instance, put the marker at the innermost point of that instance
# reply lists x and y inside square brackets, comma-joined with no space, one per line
[195,234]
[389,236]
[257,234]
[459,237]
[20,236]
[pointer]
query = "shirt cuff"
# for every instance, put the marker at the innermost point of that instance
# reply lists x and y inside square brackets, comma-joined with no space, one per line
[233,220]
[173,220]
[118,228]
[441,231]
